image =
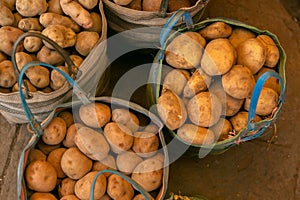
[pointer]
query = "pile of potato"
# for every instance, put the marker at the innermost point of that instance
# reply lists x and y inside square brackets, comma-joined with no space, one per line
[154,5]
[74,147]
[206,94]
[75,26]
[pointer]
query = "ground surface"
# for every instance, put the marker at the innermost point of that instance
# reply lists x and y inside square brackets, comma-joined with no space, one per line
[253,170]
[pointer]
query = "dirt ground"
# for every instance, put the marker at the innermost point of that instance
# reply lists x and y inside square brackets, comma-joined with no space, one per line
[253,170]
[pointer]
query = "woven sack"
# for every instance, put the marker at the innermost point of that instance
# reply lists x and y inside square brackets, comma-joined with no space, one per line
[35,128]
[253,129]
[88,78]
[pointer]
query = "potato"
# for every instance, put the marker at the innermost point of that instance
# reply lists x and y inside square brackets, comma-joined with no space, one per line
[118,188]
[46,90]
[38,76]
[174,5]
[2,57]
[125,117]
[8,37]
[30,87]
[97,23]
[17,19]
[35,154]
[40,176]
[175,80]
[54,7]
[7,75]
[178,52]
[272,82]
[171,110]
[57,79]
[70,135]
[5,90]
[272,51]
[49,56]
[62,35]
[95,115]
[45,148]
[91,143]
[48,18]
[88,4]
[135,5]
[216,30]
[145,144]
[69,197]
[66,187]
[72,8]
[122,2]
[149,174]
[118,136]
[42,196]
[31,8]
[83,186]
[75,164]
[30,24]
[222,129]
[76,59]
[160,157]
[204,109]
[151,128]
[239,82]
[107,163]
[240,120]
[67,116]
[22,58]
[54,159]
[240,35]
[251,53]
[6,16]
[105,197]
[10,4]
[267,102]
[86,41]
[196,135]
[55,131]
[139,197]
[218,57]
[198,82]
[230,104]
[32,43]
[151,5]
[127,161]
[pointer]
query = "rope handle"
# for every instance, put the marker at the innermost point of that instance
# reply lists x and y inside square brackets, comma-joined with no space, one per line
[256,92]
[135,185]
[35,125]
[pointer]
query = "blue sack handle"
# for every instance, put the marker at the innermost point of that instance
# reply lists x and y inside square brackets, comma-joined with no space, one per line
[135,185]
[35,125]
[256,92]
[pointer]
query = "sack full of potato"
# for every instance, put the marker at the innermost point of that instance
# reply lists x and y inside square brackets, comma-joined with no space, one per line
[217,84]
[135,15]
[77,31]
[100,148]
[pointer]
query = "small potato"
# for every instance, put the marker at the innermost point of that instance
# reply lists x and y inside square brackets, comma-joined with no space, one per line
[40,176]
[5,90]
[122,2]
[62,35]
[54,159]
[204,109]
[97,23]
[70,135]
[7,75]
[149,174]
[22,58]
[139,197]
[125,117]
[66,187]
[46,90]
[67,116]
[107,163]
[135,5]
[86,41]
[32,44]
[54,7]
[95,115]
[39,76]
[267,102]
[272,51]
[45,148]
[88,4]
[239,82]
[171,110]
[118,188]
[251,53]
[127,167]
[36,154]
[218,58]
[175,80]
[196,135]
[30,87]
[91,143]
[151,5]
[6,16]
[55,131]
[76,59]
[8,37]
[83,186]
[30,24]
[31,8]
[272,82]
[240,35]
[198,82]
[216,30]
[222,129]
[49,56]
[178,52]
[75,164]
[42,196]
[69,197]
[2,57]
[174,5]
[145,144]
[57,79]
[17,18]
[118,136]
[240,120]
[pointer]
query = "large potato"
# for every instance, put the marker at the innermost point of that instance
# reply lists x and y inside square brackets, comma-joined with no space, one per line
[55,131]
[31,8]
[240,35]
[8,37]
[125,117]
[145,144]
[42,196]
[171,110]
[272,51]
[218,58]
[39,76]
[57,79]
[49,56]
[204,109]
[67,116]
[54,158]
[196,135]
[69,140]
[62,35]
[6,16]
[216,30]
[127,161]
[86,41]
[175,80]
[118,188]
[95,115]
[240,120]
[178,52]
[22,58]
[7,75]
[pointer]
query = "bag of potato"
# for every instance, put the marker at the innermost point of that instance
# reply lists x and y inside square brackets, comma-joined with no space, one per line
[217,84]
[79,139]
[85,45]
[123,15]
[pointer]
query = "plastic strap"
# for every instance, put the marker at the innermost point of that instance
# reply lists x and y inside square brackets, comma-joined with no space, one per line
[256,93]
[135,185]
[163,8]
[36,127]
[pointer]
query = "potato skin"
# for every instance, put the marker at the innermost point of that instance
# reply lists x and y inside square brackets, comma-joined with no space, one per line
[8,37]
[30,24]
[6,16]
[174,5]
[222,129]
[151,5]
[239,35]
[145,144]
[31,8]
[118,188]
[57,79]
[66,187]
[54,159]
[49,56]
[33,44]
[42,196]
[55,131]
[216,30]
[272,51]
[122,2]
[240,120]
[176,80]
[122,161]
[125,117]
[86,41]
[95,115]
[7,75]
